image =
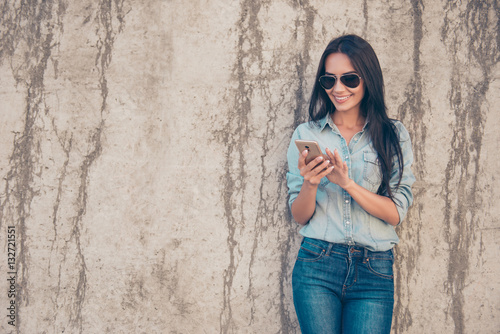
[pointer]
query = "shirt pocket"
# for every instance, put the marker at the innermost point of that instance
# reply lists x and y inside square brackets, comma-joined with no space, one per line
[372,176]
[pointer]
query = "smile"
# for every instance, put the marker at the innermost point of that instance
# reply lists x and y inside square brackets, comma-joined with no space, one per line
[342,99]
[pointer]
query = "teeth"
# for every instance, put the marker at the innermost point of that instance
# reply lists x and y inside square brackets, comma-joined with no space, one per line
[342,98]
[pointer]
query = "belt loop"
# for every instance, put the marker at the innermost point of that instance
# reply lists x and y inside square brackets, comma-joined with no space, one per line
[365,255]
[329,249]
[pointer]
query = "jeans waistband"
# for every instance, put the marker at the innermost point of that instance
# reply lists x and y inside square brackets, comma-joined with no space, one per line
[353,250]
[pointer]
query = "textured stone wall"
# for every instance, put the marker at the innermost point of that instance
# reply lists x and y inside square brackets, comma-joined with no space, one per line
[142,160]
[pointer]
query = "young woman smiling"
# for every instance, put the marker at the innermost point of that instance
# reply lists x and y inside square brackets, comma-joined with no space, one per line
[348,204]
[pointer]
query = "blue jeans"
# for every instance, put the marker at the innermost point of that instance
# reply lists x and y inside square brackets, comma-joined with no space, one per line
[343,289]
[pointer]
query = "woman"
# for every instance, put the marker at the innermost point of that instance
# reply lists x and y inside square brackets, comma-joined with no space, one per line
[349,203]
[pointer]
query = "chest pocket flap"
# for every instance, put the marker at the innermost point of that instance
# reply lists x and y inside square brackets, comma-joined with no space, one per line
[371,169]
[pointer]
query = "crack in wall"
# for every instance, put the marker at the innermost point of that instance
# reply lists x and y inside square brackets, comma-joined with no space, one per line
[30,29]
[300,114]
[106,37]
[76,317]
[366,17]
[411,113]
[66,145]
[12,24]
[469,29]
[30,26]
[235,135]
[305,21]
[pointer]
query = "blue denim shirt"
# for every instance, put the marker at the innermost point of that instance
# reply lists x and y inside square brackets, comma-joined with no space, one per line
[338,218]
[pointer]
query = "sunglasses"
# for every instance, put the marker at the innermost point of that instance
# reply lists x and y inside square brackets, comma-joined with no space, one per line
[351,80]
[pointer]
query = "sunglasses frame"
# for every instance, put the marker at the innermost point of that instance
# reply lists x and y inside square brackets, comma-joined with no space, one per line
[337,78]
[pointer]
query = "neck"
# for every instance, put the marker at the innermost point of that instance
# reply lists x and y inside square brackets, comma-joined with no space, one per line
[349,120]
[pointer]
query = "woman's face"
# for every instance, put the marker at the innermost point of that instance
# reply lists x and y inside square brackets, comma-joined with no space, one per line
[344,98]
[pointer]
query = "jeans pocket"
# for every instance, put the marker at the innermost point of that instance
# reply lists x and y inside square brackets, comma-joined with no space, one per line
[310,252]
[381,267]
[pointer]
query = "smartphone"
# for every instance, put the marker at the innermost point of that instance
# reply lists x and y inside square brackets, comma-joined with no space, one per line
[312,147]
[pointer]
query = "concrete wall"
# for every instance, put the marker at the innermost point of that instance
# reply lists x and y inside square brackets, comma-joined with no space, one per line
[142,160]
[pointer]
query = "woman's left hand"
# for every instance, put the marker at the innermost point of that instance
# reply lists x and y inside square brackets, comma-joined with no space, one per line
[340,172]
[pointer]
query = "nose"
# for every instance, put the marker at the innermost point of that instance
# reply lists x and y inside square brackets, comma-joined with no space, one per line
[338,86]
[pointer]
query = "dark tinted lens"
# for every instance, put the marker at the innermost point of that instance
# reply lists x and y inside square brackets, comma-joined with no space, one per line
[327,82]
[350,80]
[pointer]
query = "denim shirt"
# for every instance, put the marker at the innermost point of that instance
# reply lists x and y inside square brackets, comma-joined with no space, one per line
[338,218]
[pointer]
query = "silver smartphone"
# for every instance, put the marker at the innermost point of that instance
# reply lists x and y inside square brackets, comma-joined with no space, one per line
[313,148]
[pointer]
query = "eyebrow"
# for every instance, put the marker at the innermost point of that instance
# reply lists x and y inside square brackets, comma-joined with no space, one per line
[351,72]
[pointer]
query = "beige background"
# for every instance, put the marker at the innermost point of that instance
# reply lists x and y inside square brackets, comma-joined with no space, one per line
[142,159]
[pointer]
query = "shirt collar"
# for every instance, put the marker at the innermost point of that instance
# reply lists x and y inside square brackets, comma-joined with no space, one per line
[328,120]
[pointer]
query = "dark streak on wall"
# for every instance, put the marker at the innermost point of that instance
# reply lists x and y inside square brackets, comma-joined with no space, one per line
[234,136]
[366,17]
[66,145]
[32,25]
[470,29]
[106,36]
[411,113]
[303,58]
[304,24]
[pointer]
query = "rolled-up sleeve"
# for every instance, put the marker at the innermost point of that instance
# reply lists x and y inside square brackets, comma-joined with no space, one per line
[293,178]
[403,196]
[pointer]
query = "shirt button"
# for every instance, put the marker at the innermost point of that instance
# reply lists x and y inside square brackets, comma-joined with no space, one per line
[347,223]
[347,201]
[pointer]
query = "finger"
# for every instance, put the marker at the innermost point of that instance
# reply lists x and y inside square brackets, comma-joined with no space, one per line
[314,163]
[317,168]
[338,159]
[323,166]
[326,171]
[322,171]
[302,159]
[330,155]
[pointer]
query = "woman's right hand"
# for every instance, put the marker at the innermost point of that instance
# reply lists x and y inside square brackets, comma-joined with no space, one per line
[304,205]
[315,170]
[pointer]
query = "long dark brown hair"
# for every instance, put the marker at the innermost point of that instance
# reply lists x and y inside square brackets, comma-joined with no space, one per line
[380,127]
